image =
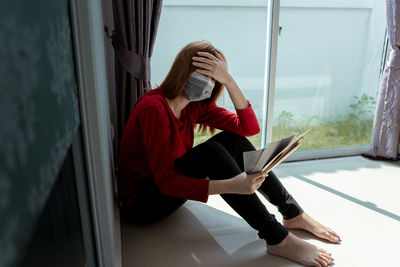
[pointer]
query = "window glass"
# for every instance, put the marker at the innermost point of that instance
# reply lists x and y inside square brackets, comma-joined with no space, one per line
[328,69]
[237,28]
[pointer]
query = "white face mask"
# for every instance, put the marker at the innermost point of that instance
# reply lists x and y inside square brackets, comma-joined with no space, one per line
[198,87]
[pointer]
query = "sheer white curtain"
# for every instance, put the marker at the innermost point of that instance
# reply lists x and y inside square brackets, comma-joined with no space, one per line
[385,141]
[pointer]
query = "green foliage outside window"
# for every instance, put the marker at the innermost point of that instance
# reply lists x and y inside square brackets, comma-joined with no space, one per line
[352,129]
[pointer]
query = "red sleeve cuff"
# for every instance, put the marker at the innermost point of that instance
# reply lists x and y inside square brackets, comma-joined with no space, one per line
[246,108]
[248,120]
[203,190]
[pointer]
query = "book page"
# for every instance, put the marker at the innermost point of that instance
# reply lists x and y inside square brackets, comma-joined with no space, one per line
[274,163]
[288,149]
[250,159]
[272,155]
[271,151]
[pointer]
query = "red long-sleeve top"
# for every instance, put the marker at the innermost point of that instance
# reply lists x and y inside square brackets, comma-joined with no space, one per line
[153,138]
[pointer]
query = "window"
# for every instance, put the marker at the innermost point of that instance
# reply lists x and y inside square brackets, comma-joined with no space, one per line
[328,69]
[328,62]
[237,28]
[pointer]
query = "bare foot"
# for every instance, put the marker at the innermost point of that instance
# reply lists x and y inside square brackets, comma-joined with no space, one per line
[305,222]
[298,250]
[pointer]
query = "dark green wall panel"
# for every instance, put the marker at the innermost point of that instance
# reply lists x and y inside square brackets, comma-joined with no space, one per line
[57,239]
[38,112]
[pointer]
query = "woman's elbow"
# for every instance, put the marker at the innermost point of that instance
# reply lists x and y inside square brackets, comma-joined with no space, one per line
[164,188]
[252,131]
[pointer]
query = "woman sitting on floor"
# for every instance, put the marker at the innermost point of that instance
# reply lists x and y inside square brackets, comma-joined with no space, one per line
[159,169]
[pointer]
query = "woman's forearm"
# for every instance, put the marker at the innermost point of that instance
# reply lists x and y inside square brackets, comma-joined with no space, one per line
[240,184]
[216,187]
[215,67]
[236,95]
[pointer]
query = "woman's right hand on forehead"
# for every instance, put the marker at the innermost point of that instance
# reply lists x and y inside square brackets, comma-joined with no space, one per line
[213,66]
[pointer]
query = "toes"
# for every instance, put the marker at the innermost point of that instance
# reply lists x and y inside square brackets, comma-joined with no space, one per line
[334,234]
[328,236]
[327,259]
[321,262]
[331,237]
[324,251]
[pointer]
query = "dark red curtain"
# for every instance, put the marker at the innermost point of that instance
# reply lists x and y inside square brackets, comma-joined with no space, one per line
[136,24]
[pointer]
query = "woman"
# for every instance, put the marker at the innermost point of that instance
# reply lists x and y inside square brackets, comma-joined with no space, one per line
[159,169]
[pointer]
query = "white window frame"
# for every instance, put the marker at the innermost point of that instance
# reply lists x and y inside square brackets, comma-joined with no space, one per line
[269,84]
[271,59]
[88,42]
[270,70]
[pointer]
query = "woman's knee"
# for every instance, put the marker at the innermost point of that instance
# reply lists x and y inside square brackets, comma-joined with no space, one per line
[229,138]
[218,156]
[203,154]
[212,148]
[209,159]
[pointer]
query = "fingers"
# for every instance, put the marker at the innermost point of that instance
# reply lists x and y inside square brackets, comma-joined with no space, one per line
[218,55]
[259,180]
[265,173]
[204,72]
[257,177]
[215,65]
[202,65]
[254,181]
[203,59]
[208,55]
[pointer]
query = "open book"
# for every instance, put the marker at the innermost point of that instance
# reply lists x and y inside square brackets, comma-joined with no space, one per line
[266,159]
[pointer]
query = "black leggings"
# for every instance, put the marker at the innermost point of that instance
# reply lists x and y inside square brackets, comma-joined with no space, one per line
[221,157]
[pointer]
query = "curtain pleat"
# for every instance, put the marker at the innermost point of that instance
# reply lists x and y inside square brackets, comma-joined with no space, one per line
[386,131]
[136,24]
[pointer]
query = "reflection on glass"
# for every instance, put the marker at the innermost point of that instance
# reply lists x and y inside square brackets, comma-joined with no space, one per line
[238,30]
[328,68]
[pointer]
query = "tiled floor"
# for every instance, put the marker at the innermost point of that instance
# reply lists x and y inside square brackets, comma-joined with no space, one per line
[357,197]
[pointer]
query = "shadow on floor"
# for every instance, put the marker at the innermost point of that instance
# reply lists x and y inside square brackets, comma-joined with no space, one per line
[366,204]
[196,235]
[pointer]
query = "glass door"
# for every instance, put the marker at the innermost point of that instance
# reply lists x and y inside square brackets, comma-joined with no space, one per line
[238,28]
[328,65]
[301,63]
